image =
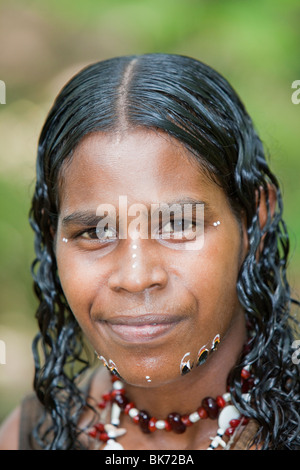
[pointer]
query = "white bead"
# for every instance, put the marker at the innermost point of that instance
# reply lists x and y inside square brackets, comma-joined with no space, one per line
[113,432]
[194,417]
[227,397]
[115,414]
[216,441]
[113,445]
[117,385]
[222,443]
[133,412]
[226,415]
[160,424]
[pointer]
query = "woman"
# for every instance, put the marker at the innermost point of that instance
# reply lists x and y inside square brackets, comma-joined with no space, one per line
[196,338]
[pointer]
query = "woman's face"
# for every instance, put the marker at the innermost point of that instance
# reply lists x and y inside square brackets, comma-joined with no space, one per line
[147,307]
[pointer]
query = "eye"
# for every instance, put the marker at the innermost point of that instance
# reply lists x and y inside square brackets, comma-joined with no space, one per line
[102,234]
[89,234]
[106,233]
[177,226]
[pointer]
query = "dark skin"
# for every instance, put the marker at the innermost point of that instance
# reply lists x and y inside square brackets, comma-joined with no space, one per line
[196,289]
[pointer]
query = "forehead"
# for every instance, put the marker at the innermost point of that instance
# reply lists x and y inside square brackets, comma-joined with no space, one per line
[146,166]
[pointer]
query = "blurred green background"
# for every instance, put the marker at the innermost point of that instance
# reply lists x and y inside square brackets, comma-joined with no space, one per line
[254,44]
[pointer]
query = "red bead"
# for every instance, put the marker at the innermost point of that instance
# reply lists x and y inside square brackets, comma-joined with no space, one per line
[220,401]
[168,426]
[117,392]
[114,378]
[229,431]
[93,433]
[102,405]
[106,396]
[177,425]
[99,427]
[202,413]
[136,419]
[247,385]
[103,437]
[144,419]
[234,423]
[211,407]
[128,407]
[186,420]
[151,424]
[245,374]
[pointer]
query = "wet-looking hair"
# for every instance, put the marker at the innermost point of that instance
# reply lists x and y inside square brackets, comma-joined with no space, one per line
[191,102]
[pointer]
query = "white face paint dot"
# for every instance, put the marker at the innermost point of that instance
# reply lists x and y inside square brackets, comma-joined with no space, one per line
[148,378]
[134,255]
[65,240]
[134,247]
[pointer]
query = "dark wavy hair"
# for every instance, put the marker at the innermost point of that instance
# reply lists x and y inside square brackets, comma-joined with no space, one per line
[192,103]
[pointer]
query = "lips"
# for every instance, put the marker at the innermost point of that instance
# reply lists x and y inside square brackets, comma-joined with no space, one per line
[140,329]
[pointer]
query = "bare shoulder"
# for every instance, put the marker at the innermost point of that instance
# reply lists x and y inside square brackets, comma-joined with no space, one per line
[9,431]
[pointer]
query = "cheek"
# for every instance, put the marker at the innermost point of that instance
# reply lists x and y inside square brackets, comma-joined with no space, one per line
[212,281]
[77,278]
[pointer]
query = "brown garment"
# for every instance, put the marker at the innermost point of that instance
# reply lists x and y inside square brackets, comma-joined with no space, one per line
[31,412]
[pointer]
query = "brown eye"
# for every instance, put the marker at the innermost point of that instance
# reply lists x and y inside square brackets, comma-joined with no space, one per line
[89,234]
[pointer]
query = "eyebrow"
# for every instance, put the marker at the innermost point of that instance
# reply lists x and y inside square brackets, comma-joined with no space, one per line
[91,219]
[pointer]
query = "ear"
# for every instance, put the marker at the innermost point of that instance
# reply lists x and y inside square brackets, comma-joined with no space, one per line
[271,196]
[261,198]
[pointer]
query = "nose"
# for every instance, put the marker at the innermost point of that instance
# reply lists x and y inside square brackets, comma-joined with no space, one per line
[139,269]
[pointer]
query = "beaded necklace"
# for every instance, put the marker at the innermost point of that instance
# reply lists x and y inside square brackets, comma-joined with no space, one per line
[230,420]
